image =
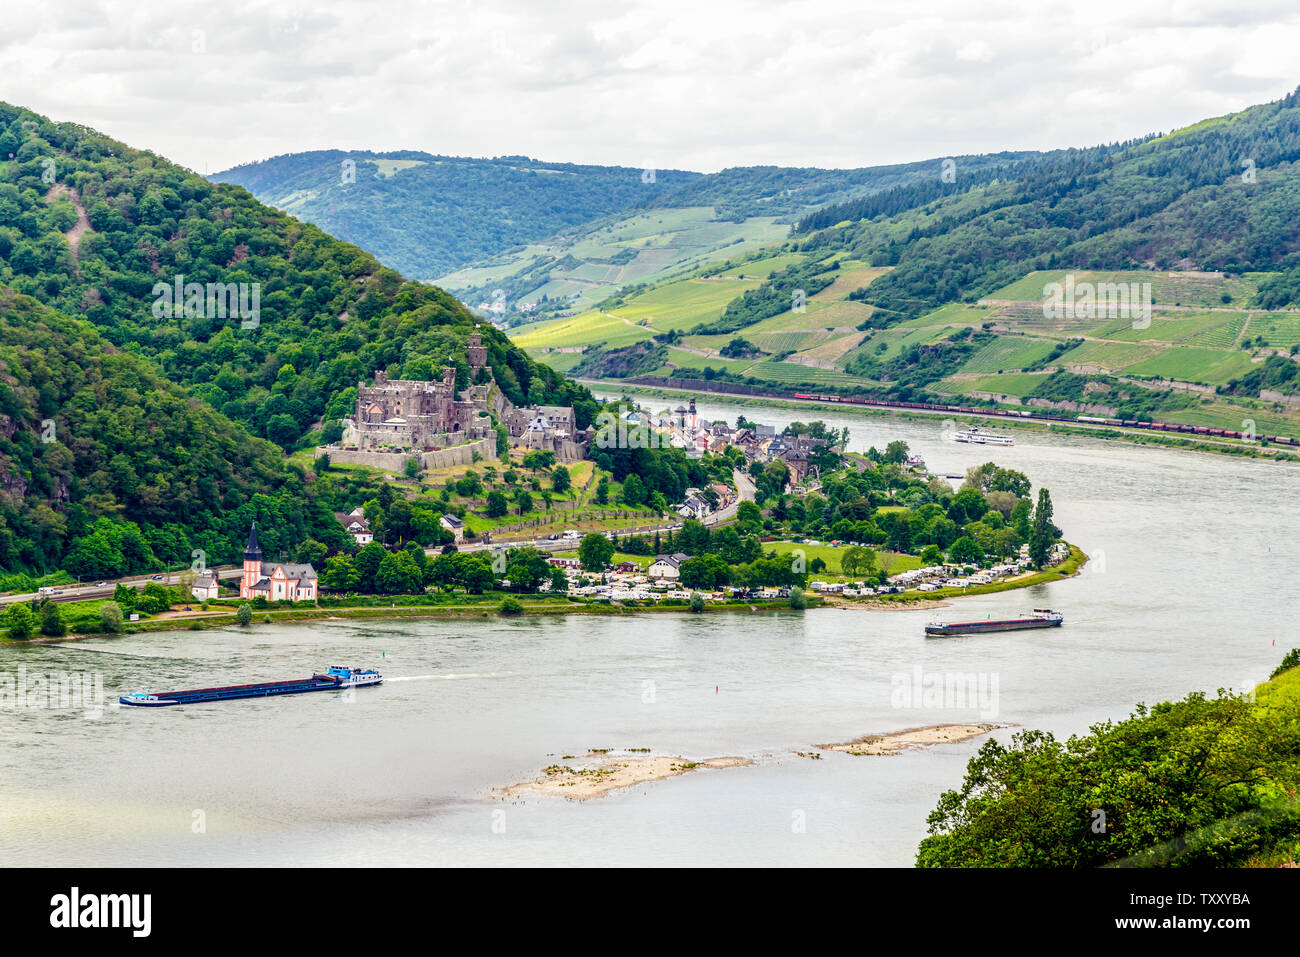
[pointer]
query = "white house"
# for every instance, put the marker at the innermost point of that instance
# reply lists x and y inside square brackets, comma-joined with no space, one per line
[668,566]
[454,525]
[205,586]
[357,525]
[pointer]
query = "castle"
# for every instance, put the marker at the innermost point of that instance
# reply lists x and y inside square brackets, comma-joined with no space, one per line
[409,414]
[412,414]
[275,582]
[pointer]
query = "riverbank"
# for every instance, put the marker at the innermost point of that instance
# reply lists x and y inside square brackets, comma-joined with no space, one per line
[224,617]
[1231,447]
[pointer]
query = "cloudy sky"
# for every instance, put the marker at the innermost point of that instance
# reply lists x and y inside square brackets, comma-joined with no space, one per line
[693,85]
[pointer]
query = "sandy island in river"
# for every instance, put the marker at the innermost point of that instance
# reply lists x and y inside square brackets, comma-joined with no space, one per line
[597,773]
[911,738]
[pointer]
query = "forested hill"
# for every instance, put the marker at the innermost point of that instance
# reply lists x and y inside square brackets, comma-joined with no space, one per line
[429,215]
[329,314]
[89,228]
[1223,194]
[90,433]
[743,191]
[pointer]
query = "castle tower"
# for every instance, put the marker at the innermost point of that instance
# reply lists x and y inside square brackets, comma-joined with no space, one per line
[694,421]
[252,564]
[476,353]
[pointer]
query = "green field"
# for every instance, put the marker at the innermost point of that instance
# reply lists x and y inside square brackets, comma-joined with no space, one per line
[1194,365]
[831,556]
[1011,352]
[580,330]
[685,304]
[1019,384]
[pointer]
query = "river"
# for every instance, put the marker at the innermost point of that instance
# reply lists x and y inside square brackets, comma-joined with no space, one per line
[1188,590]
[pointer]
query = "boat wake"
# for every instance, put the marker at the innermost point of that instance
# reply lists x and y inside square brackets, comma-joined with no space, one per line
[452,677]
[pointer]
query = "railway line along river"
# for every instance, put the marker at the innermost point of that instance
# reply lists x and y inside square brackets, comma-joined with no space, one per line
[1188,587]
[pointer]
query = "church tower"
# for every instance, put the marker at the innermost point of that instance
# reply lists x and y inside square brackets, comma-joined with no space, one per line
[252,564]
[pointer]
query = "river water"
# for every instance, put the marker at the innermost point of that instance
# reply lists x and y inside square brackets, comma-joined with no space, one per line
[1189,590]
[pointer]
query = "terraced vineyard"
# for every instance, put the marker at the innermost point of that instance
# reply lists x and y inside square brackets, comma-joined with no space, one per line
[1201,332]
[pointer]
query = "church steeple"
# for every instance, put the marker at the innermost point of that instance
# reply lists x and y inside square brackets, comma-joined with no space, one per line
[252,553]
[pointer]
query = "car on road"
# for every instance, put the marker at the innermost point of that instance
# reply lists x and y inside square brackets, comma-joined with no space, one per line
[101,584]
[157,578]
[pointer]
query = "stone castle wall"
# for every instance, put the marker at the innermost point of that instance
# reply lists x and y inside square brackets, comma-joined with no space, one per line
[396,461]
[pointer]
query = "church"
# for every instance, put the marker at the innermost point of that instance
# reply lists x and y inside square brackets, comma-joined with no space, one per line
[274,582]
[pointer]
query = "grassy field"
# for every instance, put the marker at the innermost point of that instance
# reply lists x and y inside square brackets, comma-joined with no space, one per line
[580,330]
[831,556]
[681,305]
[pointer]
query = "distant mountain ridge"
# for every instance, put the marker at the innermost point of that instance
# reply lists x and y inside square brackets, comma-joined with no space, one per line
[427,215]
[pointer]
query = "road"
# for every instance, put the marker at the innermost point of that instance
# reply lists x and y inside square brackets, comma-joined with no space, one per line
[88,592]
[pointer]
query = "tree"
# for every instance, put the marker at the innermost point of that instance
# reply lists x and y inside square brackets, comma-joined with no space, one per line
[367,564]
[634,490]
[511,605]
[110,617]
[896,452]
[497,504]
[559,581]
[602,490]
[524,501]
[858,560]
[697,602]
[244,614]
[412,467]
[797,600]
[704,571]
[125,596]
[311,552]
[340,574]
[398,574]
[749,515]
[560,479]
[595,551]
[966,551]
[1043,534]
[19,621]
[1197,783]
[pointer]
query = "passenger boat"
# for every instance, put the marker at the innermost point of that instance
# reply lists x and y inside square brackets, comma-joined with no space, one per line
[977,436]
[1041,618]
[335,678]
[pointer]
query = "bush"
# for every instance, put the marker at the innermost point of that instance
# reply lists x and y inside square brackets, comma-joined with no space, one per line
[1292,660]
[511,606]
[797,599]
[244,614]
[19,622]
[52,621]
[110,617]
[697,602]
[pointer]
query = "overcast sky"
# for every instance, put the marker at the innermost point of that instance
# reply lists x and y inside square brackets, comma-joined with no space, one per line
[693,85]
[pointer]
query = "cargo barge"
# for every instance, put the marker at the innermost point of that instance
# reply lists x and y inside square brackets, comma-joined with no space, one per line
[1041,618]
[335,678]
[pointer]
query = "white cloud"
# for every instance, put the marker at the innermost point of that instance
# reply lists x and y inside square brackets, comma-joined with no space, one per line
[692,85]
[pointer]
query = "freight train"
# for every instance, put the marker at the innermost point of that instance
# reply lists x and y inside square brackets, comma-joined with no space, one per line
[1181,427]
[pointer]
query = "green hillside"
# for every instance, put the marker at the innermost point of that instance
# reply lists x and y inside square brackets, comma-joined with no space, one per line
[938,289]
[116,224]
[133,434]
